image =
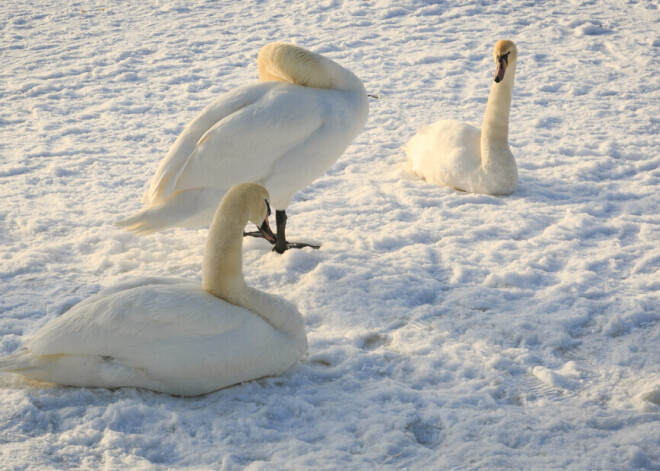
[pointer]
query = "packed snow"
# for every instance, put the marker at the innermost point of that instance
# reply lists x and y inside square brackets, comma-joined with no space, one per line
[447,330]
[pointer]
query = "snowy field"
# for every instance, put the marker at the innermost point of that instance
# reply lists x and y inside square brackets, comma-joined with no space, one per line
[447,330]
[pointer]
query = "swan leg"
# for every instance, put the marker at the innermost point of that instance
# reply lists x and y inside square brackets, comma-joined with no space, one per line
[282,244]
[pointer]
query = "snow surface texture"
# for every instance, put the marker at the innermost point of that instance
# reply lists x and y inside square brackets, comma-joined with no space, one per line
[447,330]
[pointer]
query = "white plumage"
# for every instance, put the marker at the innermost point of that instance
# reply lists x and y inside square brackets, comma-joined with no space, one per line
[175,336]
[462,156]
[281,133]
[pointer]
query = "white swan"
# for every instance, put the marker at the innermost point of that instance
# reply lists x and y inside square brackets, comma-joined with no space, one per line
[175,336]
[460,155]
[282,133]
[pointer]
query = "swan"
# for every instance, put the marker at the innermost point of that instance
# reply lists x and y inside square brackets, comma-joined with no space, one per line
[174,336]
[282,132]
[460,155]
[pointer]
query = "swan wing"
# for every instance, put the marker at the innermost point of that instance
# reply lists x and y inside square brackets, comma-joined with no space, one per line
[444,151]
[136,323]
[170,337]
[240,138]
[173,163]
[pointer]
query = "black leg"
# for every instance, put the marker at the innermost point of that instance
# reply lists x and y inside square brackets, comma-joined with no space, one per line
[282,244]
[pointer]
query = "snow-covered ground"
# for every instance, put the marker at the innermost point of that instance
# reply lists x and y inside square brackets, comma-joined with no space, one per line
[447,330]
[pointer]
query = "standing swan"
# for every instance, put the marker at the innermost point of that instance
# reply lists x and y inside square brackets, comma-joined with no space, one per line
[282,133]
[460,155]
[174,336]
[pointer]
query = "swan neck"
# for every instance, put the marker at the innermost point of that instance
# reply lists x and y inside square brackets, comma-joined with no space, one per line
[222,266]
[346,80]
[222,272]
[287,63]
[495,126]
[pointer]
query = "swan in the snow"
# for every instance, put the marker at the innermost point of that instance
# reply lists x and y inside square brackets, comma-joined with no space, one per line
[282,132]
[467,158]
[175,336]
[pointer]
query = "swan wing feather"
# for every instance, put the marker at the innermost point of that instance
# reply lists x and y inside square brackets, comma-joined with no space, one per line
[172,164]
[245,143]
[130,323]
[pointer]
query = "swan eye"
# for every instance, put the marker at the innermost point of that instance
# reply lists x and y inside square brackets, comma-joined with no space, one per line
[267,207]
[504,57]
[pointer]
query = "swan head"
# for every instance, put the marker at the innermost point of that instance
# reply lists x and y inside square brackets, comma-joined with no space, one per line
[222,263]
[285,62]
[252,200]
[289,63]
[504,54]
[257,198]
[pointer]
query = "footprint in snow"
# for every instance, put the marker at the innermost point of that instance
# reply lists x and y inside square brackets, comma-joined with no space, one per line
[373,341]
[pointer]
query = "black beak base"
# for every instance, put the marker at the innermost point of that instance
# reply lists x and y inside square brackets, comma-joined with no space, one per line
[267,232]
[502,63]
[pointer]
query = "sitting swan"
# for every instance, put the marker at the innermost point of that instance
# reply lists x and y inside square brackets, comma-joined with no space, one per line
[174,336]
[460,155]
[282,133]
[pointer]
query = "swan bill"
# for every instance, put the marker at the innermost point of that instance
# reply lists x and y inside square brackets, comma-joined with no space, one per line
[267,232]
[501,68]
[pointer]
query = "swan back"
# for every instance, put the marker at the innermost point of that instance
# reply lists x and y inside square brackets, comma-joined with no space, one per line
[166,336]
[288,63]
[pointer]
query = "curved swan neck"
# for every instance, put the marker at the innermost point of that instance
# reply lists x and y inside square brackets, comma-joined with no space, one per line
[222,276]
[288,63]
[222,266]
[495,126]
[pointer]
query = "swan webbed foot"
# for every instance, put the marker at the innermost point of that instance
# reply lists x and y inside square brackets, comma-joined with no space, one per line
[282,247]
[293,245]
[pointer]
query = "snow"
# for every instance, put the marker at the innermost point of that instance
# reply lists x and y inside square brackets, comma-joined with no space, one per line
[447,330]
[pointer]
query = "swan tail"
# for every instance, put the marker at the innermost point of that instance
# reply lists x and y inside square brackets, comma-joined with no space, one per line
[17,362]
[191,208]
[146,221]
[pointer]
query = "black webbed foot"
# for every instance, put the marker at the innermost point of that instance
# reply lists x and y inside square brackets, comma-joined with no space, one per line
[281,245]
[293,245]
